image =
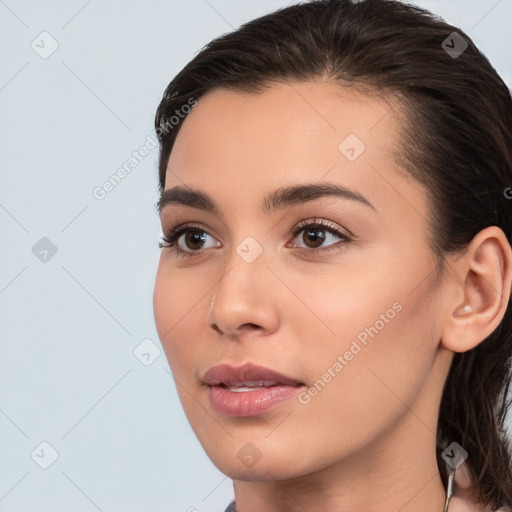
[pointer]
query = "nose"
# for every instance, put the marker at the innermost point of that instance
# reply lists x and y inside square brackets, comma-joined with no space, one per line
[242,301]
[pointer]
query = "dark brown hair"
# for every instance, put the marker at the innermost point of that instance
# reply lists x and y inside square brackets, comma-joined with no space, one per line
[456,140]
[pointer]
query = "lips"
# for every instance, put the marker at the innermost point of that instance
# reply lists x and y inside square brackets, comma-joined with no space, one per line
[248,390]
[248,375]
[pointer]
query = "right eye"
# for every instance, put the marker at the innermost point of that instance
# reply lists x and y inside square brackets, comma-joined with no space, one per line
[190,235]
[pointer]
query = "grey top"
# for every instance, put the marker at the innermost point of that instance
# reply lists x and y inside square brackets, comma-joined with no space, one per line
[231,507]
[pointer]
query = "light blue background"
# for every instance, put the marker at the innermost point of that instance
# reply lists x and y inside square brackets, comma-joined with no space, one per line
[68,374]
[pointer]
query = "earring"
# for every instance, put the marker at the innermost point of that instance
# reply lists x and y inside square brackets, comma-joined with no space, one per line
[449,489]
[465,310]
[214,325]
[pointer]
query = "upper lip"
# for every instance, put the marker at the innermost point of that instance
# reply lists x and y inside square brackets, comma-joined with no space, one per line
[247,373]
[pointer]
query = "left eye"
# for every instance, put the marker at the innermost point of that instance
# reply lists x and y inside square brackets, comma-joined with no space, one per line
[314,235]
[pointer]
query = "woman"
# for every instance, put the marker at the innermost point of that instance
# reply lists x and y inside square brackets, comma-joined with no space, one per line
[333,290]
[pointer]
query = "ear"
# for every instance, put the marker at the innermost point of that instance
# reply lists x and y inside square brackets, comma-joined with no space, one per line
[483,278]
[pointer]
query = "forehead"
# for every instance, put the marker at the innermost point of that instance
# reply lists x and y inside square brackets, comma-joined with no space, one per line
[291,108]
[239,146]
[286,123]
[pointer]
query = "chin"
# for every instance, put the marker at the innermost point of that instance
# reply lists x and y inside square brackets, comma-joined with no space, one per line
[260,472]
[245,462]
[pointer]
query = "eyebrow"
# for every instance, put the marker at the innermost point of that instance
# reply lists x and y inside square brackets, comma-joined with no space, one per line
[276,200]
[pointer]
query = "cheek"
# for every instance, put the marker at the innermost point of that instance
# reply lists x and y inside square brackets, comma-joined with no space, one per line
[373,349]
[173,303]
[163,304]
[181,304]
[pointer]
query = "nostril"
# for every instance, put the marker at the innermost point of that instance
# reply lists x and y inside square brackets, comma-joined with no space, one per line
[251,325]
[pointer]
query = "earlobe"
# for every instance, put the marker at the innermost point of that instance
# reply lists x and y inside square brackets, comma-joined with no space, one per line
[484,275]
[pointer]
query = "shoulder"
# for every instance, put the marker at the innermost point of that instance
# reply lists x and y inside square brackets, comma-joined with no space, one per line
[462,499]
[459,504]
[231,507]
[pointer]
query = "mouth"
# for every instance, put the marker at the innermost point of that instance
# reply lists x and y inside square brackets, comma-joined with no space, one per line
[248,390]
[248,375]
[238,387]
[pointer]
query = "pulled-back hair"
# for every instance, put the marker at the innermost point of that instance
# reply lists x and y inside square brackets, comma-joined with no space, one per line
[456,139]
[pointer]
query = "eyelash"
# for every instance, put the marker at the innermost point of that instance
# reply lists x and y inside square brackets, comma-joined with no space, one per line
[172,236]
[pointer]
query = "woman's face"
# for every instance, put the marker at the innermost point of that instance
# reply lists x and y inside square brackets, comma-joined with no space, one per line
[357,321]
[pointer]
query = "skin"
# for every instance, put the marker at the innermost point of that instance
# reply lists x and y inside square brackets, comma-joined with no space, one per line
[367,440]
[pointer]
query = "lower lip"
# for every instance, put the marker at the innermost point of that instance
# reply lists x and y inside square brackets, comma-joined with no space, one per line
[249,403]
